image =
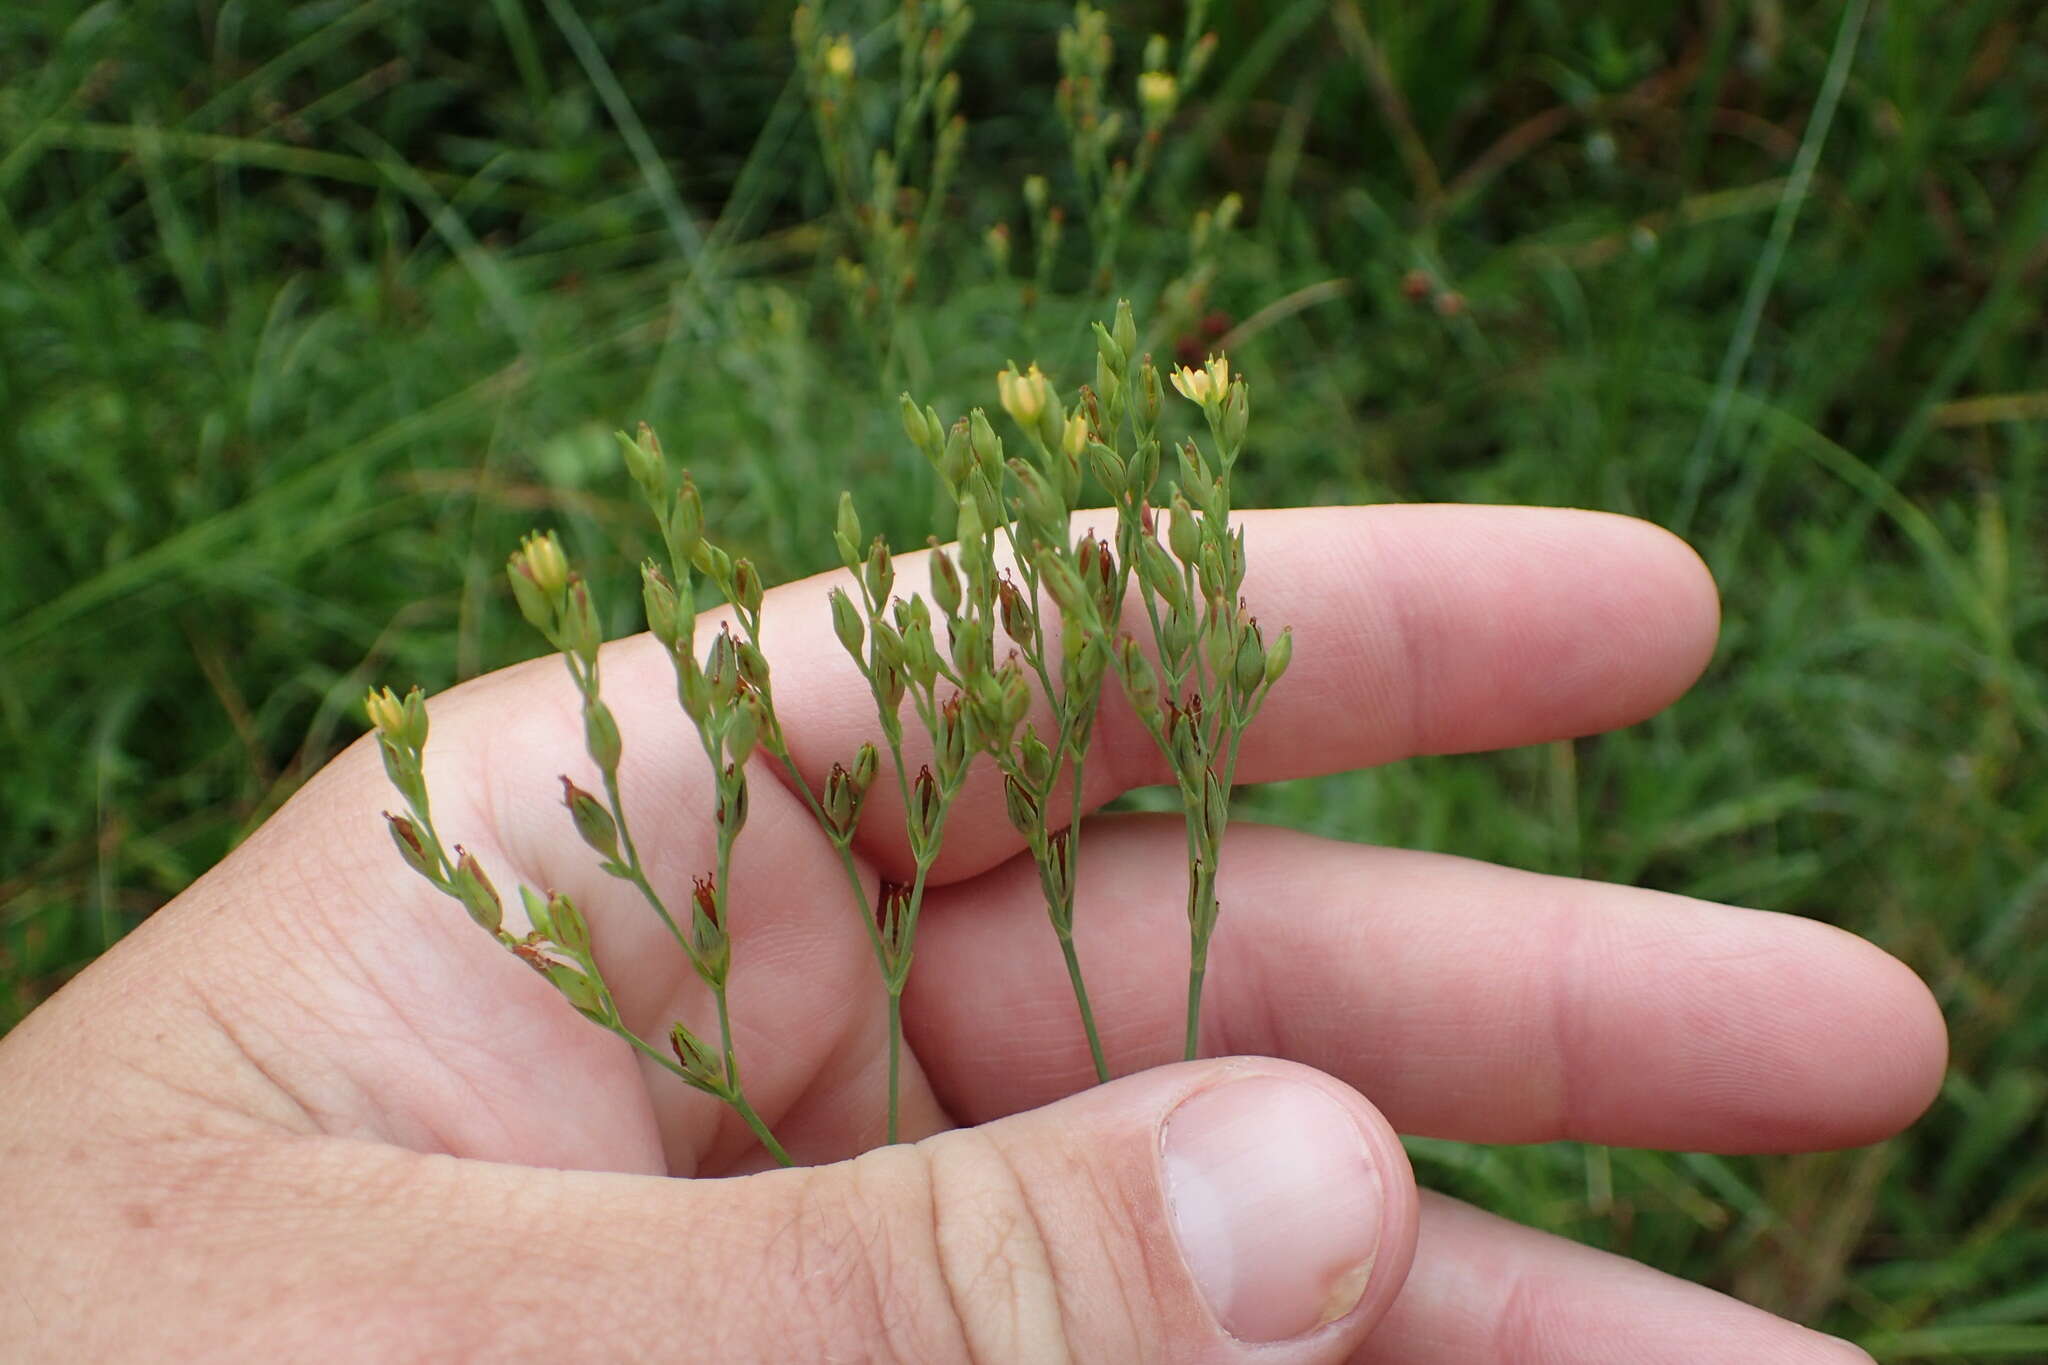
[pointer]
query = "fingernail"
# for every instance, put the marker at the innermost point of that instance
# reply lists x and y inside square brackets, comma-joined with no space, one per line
[1276,1203]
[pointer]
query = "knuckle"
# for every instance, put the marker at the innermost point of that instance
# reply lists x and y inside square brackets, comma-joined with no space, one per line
[994,1261]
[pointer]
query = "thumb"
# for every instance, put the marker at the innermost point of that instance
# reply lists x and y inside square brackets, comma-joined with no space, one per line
[1196,1212]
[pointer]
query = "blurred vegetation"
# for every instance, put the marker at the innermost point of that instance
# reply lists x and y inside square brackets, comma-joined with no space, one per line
[307,310]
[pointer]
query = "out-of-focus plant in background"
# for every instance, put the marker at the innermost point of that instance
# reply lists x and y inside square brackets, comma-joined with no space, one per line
[308,311]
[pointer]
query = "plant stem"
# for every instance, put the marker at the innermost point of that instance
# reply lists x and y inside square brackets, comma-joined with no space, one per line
[895,1054]
[1198,968]
[1087,1013]
[753,1120]
[1067,938]
[760,1129]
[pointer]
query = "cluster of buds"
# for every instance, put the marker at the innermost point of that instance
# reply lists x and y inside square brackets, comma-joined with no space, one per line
[1112,170]
[889,220]
[1205,672]
[1002,659]
[557,941]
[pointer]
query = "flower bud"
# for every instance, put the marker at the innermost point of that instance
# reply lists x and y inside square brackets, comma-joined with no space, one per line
[945,582]
[1021,806]
[1014,610]
[839,58]
[839,803]
[475,891]
[951,737]
[926,804]
[664,609]
[915,428]
[685,522]
[722,671]
[1023,396]
[1043,509]
[889,685]
[1151,397]
[1074,437]
[1035,759]
[570,929]
[731,813]
[536,912]
[1161,578]
[920,650]
[601,735]
[1109,350]
[1184,533]
[753,666]
[746,587]
[1158,94]
[1178,631]
[866,761]
[953,462]
[385,711]
[880,572]
[593,822]
[693,690]
[643,464]
[1016,697]
[541,559]
[539,572]
[1236,419]
[1140,682]
[1107,468]
[846,622]
[701,1066]
[846,535]
[1279,656]
[580,632]
[579,990]
[1058,872]
[969,528]
[742,729]
[411,847]
[1124,331]
[1250,666]
[986,446]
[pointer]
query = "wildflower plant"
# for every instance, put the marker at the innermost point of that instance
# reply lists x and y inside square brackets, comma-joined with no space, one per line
[1002,660]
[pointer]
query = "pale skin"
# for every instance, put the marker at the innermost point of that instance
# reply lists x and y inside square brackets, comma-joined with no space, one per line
[309,1111]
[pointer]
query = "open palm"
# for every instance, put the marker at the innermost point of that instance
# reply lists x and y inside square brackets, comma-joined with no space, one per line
[324,1019]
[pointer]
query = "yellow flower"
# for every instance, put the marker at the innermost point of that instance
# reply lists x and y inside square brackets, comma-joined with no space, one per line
[1157,91]
[541,559]
[1024,395]
[1074,438]
[1206,385]
[386,711]
[839,58]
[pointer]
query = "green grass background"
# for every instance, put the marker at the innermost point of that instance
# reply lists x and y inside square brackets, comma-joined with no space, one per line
[307,310]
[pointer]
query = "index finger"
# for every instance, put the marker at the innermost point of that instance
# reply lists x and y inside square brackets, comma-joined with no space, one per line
[1418,629]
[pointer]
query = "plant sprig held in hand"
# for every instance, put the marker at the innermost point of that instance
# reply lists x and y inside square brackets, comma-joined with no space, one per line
[1003,656]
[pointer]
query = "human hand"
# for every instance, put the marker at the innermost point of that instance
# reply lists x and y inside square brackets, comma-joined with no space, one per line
[308,1111]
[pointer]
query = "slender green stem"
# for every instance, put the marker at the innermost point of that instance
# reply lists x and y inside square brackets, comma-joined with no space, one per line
[1067,939]
[1198,968]
[1087,1011]
[637,874]
[846,863]
[746,1111]
[721,891]
[895,1055]
[760,1129]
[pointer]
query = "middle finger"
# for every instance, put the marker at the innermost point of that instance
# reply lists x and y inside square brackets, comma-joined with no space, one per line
[1468,1001]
